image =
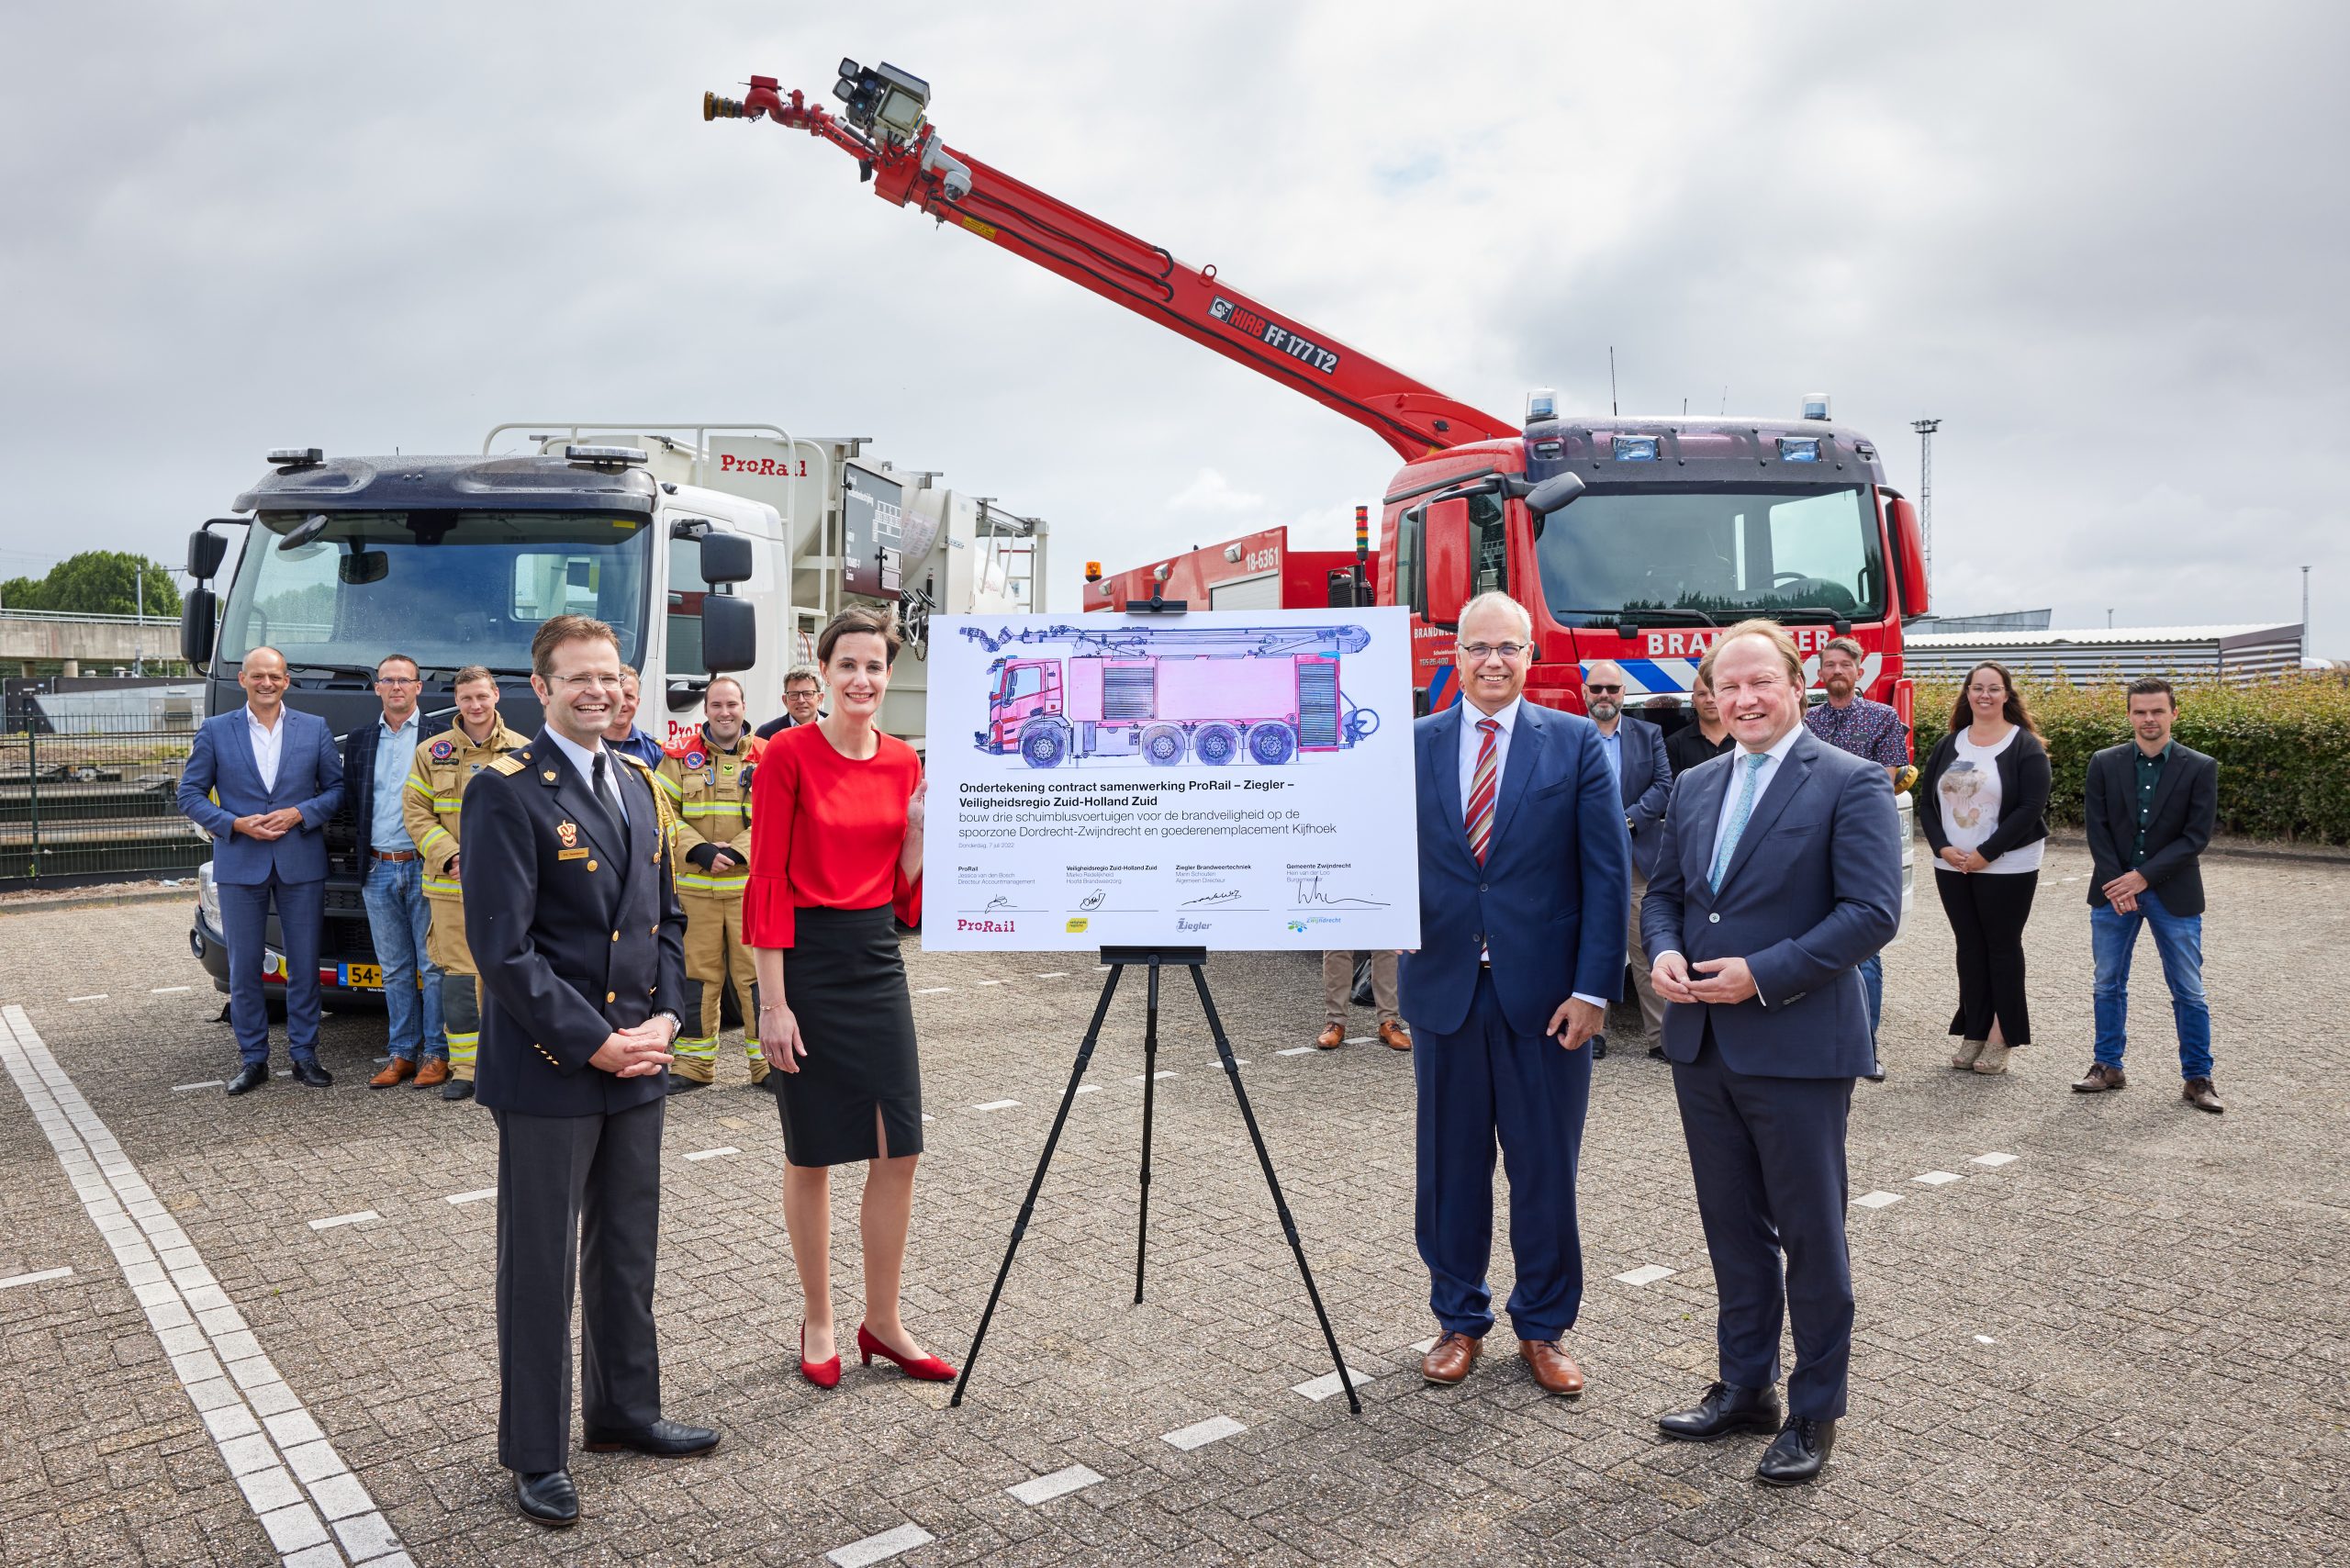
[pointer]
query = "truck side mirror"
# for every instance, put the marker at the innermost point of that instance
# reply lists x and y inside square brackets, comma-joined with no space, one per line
[730,632]
[205,551]
[1444,563]
[1551,494]
[725,558]
[1910,545]
[197,613]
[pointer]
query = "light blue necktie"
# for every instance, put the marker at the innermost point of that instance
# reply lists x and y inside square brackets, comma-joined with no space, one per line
[1744,809]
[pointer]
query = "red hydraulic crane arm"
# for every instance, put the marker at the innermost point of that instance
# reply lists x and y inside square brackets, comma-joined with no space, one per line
[924,172]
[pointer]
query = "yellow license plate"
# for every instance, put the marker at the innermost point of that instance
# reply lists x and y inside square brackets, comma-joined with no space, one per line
[363,977]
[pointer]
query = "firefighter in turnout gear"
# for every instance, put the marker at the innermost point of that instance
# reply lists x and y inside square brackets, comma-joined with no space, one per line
[707,777]
[445,763]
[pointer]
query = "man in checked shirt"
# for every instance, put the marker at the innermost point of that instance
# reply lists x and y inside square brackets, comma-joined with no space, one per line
[1870,730]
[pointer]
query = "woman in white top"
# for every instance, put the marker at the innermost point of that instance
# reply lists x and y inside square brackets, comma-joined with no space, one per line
[1986,814]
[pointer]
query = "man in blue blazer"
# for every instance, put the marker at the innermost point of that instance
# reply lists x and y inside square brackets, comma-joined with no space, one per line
[1525,878]
[1635,753]
[1779,871]
[263,781]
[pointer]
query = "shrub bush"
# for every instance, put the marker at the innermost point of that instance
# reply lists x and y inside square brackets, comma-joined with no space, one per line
[2283,747]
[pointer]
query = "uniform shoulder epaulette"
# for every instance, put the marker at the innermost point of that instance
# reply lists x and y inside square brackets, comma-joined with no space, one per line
[510,765]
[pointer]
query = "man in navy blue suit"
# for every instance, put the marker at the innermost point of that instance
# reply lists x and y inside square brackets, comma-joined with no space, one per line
[1779,872]
[263,781]
[1525,881]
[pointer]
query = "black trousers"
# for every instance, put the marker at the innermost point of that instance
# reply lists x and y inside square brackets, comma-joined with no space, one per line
[1987,914]
[578,1213]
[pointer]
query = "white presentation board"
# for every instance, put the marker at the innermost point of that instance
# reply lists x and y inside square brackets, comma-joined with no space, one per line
[1237,780]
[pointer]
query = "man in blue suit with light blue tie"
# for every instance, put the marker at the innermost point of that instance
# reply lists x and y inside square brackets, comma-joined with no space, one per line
[1525,882]
[1779,872]
[263,781]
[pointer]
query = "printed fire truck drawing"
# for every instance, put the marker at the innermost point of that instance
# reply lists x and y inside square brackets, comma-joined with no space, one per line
[1211,695]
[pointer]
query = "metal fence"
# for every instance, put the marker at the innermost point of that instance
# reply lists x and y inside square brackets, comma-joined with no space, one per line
[93,803]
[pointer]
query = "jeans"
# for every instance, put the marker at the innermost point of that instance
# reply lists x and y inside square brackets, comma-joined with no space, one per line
[398,917]
[2178,938]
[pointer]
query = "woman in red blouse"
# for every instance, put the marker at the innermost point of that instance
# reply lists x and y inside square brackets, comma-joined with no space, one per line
[836,855]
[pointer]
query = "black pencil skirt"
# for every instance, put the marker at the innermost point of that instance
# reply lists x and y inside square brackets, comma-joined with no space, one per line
[846,985]
[1986,913]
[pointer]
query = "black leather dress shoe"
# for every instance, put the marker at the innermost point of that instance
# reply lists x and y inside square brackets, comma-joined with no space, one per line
[680,1084]
[663,1439]
[1797,1454]
[308,1071]
[1720,1411]
[457,1089]
[249,1078]
[549,1499]
[1657,1052]
[1599,1048]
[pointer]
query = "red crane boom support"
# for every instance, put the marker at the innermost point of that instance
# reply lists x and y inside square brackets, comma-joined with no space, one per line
[924,172]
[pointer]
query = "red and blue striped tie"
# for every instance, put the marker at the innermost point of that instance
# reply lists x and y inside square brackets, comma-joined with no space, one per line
[1482,787]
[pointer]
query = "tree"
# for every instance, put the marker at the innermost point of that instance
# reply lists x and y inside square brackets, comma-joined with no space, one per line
[96,582]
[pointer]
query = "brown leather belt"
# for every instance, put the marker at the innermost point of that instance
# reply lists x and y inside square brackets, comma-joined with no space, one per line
[394,855]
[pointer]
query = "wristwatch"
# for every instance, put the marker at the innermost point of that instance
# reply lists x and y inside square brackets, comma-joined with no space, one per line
[677,1024]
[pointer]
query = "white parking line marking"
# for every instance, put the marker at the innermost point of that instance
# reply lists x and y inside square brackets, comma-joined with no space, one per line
[1646,1275]
[1059,1483]
[1320,1388]
[713,1153]
[1199,1434]
[1137,1077]
[473,1197]
[997,1105]
[1876,1199]
[991,982]
[1357,1039]
[200,1327]
[1237,1061]
[208,1083]
[1089,1088]
[935,991]
[1992,1159]
[167,989]
[1937,1178]
[878,1547]
[1297,1050]
[95,996]
[1424,1346]
[362,1217]
[1985,1339]
[1063,974]
[13,1281]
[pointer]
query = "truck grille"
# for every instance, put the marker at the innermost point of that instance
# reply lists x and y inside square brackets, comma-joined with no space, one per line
[1317,703]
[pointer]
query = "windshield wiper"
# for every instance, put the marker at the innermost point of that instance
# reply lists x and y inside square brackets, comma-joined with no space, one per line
[1840,620]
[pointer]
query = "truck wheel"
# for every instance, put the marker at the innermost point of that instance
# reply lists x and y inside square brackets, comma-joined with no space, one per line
[1216,744]
[1044,744]
[1272,744]
[1163,744]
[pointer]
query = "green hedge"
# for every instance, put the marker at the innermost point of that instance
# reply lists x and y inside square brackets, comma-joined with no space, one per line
[2283,747]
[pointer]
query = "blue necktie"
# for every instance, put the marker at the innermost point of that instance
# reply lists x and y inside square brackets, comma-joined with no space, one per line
[1739,814]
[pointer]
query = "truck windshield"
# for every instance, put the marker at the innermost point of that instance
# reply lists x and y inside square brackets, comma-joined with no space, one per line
[1767,550]
[447,588]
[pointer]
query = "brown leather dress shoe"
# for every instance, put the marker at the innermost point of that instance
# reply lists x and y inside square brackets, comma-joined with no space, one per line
[2101,1078]
[1392,1036]
[1450,1358]
[1332,1037]
[2199,1093]
[1553,1368]
[433,1073]
[395,1070]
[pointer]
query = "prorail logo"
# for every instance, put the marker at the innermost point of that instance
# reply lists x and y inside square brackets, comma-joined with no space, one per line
[989,927]
[1304,350]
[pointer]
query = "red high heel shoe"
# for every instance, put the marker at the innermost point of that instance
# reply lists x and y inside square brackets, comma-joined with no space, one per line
[929,1369]
[823,1375]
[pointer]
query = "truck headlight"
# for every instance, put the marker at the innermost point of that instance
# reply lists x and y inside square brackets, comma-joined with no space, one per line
[208,897]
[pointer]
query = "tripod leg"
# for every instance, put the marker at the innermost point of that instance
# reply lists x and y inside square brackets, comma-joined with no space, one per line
[1149,1089]
[1272,1185]
[1036,1182]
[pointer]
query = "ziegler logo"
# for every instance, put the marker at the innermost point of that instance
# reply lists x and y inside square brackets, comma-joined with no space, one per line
[1192,924]
[1304,350]
[992,927]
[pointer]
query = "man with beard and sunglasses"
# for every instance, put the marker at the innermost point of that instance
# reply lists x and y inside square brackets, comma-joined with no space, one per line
[1635,753]
[1875,733]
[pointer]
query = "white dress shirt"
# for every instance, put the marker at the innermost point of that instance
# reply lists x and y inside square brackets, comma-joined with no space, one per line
[1770,770]
[268,742]
[1471,740]
[584,759]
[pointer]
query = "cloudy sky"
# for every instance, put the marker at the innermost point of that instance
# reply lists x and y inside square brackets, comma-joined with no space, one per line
[2102,244]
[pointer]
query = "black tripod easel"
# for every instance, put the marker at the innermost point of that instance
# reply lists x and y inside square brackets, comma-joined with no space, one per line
[1118,960]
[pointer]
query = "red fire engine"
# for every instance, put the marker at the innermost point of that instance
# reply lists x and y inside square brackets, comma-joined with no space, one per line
[1628,539]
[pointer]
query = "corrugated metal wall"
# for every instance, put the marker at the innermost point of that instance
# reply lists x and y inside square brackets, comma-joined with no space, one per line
[1950,656]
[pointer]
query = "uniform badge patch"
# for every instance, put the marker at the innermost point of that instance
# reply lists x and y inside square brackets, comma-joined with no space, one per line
[568,832]
[548,776]
[694,759]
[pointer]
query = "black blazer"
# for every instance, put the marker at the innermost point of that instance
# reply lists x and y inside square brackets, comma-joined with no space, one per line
[2024,796]
[2187,805]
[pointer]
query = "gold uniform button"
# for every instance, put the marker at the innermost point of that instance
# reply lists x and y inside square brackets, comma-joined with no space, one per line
[611,996]
[616,935]
[591,865]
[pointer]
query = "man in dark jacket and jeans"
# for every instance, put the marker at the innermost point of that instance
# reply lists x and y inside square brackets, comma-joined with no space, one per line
[2151,807]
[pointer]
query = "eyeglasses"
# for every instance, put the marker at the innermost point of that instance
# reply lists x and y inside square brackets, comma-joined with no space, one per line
[1602,691]
[586,682]
[1481,651]
[398,680]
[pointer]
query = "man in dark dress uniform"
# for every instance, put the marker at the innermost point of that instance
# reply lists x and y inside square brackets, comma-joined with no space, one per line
[576,929]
